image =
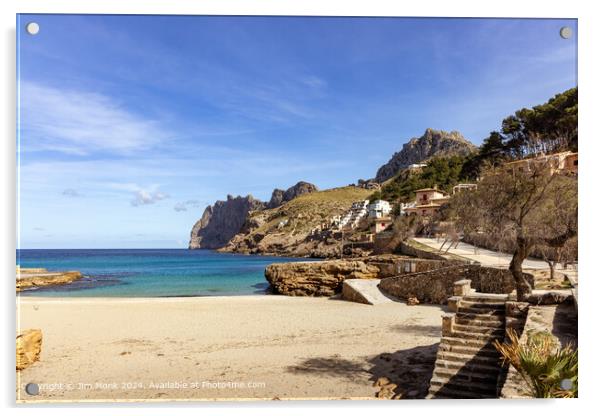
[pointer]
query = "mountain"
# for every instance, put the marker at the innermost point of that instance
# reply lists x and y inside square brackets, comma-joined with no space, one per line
[279,196]
[222,221]
[419,149]
[295,227]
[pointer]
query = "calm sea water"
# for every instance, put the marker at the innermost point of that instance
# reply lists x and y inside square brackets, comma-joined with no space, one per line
[153,272]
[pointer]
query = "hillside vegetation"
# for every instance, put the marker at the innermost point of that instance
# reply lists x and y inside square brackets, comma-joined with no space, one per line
[286,230]
[441,172]
[310,210]
[545,128]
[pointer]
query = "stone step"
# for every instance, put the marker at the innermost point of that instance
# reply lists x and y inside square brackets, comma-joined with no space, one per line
[497,330]
[452,393]
[482,305]
[496,318]
[487,351]
[474,343]
[494,324]
[484,388]
[484,376]
[480,312]
[449,358]
[479,335]
[486,297]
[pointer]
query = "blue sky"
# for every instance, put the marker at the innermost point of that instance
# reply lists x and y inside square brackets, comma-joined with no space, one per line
[131,125]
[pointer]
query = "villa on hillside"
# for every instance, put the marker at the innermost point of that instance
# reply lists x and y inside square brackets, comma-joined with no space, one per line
[379,209]
[382,224]
[351,218]
[565,162]
[416,167]
[464,187]
[428,201]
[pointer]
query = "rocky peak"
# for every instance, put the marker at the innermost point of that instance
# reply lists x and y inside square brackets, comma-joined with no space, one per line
[280,196]
[222,221]
[419,149]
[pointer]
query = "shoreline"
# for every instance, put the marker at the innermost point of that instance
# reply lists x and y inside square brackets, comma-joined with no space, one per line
[294,348]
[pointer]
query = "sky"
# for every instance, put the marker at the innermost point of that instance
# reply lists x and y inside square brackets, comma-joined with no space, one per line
[128,126]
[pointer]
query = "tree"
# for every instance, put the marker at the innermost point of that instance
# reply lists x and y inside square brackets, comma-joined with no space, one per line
[545,128]
[535,208]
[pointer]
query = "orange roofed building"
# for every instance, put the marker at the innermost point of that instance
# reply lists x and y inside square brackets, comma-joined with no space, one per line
[563,162]
[428,201]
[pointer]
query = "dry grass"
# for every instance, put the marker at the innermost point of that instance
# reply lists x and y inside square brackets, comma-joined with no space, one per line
[310,210]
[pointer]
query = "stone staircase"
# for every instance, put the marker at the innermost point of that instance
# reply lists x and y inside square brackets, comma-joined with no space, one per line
[468,365]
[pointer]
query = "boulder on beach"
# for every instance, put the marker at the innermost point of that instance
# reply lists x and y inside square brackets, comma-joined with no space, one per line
[29,346]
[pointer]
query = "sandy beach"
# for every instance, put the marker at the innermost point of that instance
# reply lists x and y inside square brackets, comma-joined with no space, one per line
[205,348]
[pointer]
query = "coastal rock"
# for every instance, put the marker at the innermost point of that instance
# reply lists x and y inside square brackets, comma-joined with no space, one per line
[222,221]
[280,197]
[322,278]
[29,346]
[419,149]
[30,278]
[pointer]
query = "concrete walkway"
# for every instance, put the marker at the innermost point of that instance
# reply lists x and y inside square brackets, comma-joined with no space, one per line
[364,291]
[485,257]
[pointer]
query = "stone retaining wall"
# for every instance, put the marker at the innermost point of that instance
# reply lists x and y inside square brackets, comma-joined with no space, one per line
[436,286]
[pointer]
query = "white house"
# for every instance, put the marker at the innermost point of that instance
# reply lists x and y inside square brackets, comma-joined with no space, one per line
[403,207]
[379,209]
[352,218]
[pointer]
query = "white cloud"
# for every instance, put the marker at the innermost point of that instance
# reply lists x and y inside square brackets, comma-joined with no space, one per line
[81,122]
[143,197]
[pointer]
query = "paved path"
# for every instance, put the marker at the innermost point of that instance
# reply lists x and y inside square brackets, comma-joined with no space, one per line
[485,257]
[364,291]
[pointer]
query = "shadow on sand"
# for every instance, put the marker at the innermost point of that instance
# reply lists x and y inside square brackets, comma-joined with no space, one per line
[409,370]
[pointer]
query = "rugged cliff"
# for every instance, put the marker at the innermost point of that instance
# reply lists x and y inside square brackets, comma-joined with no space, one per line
[222,221]
[280,196]
[225,219]
[419,149]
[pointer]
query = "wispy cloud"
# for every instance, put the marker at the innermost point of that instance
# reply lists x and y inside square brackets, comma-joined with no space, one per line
[183,206]
[71,193]
[81,122]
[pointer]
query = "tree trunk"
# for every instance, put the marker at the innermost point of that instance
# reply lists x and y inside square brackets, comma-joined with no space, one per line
[552,266]
[523,288]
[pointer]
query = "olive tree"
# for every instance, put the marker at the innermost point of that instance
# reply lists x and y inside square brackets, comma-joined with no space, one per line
[535,208]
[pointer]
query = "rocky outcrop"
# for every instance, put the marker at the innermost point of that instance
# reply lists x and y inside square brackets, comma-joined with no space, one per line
[222,221]
[279,196]
[29,346]
[297,228]
[33,278]
[419,149]
[324,278]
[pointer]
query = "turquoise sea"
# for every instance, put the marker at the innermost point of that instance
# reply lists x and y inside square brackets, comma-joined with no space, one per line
[152,272]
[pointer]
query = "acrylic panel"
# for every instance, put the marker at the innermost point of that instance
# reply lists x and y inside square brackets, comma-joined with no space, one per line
[287,207]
